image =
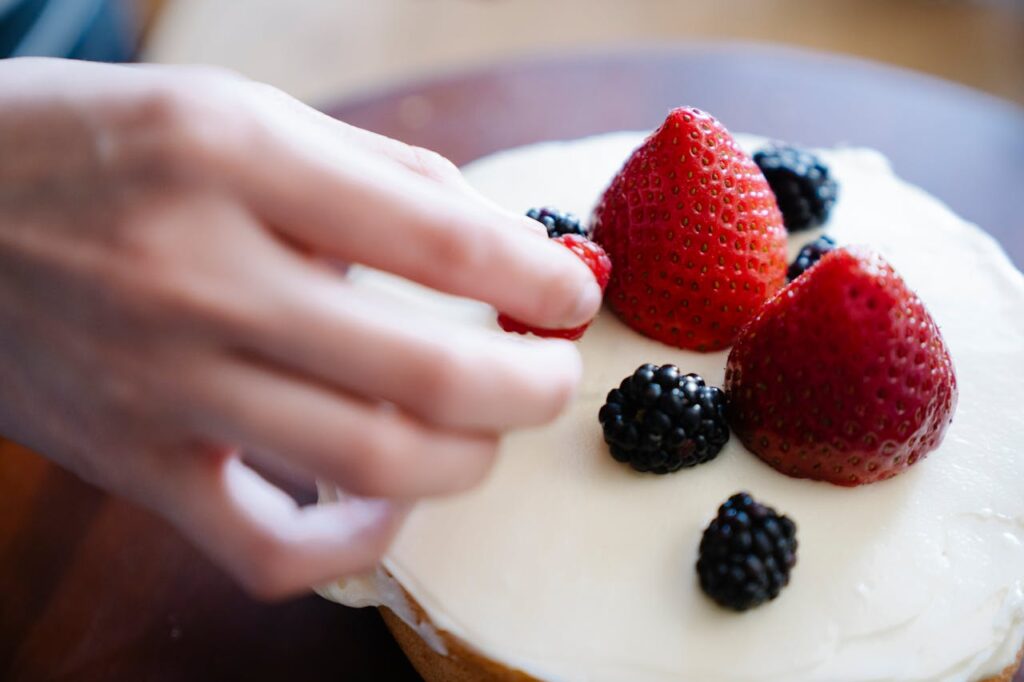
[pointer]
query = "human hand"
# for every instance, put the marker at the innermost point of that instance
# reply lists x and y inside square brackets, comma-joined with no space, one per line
[159,311]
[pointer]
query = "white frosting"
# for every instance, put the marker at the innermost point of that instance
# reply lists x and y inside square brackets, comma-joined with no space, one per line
[569,566]
[375,589]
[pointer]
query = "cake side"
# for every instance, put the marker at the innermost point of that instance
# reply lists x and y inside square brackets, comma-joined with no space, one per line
[463,664]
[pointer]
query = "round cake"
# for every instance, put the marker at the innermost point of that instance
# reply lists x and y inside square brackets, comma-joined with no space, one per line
[567,565]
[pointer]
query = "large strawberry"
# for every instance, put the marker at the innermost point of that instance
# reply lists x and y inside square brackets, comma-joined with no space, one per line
[697,240]
[843,376]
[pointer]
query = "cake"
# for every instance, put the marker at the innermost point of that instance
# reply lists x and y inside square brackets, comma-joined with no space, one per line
[566,565]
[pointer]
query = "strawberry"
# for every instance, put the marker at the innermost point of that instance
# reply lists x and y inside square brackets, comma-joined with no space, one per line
[695,234]
[843,376]
[598,262]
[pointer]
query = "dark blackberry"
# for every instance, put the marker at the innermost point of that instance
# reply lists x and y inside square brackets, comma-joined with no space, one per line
[556,222]
[660,420]
[809,255]
[803,188]
[746,554]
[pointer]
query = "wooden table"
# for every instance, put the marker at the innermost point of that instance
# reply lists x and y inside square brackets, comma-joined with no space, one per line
[91,588]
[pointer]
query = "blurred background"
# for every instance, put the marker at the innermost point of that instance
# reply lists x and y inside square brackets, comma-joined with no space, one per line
[321,50]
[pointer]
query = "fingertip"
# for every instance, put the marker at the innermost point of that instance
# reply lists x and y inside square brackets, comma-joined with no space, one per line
[476,465]
[587,304]
[375,517]
[560,292]
[571,300]
[560,373]
[572,362]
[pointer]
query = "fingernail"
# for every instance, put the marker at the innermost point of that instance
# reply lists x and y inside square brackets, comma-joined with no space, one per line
[588,303]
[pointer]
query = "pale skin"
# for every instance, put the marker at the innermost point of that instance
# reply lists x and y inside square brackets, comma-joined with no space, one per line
[165,306]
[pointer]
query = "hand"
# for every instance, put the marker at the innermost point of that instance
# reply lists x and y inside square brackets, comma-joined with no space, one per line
[160,312]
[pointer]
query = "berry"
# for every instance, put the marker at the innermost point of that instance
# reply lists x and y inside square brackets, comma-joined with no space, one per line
[598,262]
[697,240]
[803,188]
[557,223]
[746,554]
[809,255]
[843,377]
[661,421]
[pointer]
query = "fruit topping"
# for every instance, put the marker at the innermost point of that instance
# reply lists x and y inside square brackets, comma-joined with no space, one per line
[842,377]
[802,185]
[556,222]
[809,255]
[598,262]
[746,554]
[659,420]
[695,234]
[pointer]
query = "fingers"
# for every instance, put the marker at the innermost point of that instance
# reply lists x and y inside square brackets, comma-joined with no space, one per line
[367,448]
[356,336]
[421,161]
[348,203]
[344,199]
[257,532]
[371,343]
[211,81]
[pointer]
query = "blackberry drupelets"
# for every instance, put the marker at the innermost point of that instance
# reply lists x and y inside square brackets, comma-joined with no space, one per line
[746,554]
[556,222]
[804,190]
[659,420]
[809,255]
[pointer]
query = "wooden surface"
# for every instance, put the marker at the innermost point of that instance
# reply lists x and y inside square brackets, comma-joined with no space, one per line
[94,589]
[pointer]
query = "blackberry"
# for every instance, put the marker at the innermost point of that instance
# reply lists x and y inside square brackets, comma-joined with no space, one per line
[659,420]
[556,222]
[809,255]
[803,188]
[746,554]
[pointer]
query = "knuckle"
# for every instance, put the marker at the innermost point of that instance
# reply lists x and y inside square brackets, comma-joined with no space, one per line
[459,250]
[267,92]
[387,464]
[168,109]
[141,239]
[176,125]
[443,382]
[555,390]
[432,165]
[475,467]
[203,297]
[554,395]
[156,262]
[212,75]
[170,295]
[376,457]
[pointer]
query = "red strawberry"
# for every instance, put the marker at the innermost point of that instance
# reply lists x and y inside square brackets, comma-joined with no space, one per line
[598,262]
[843,376]
[695,234]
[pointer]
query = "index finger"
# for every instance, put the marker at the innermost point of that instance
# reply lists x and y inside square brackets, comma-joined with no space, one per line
[345,202]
